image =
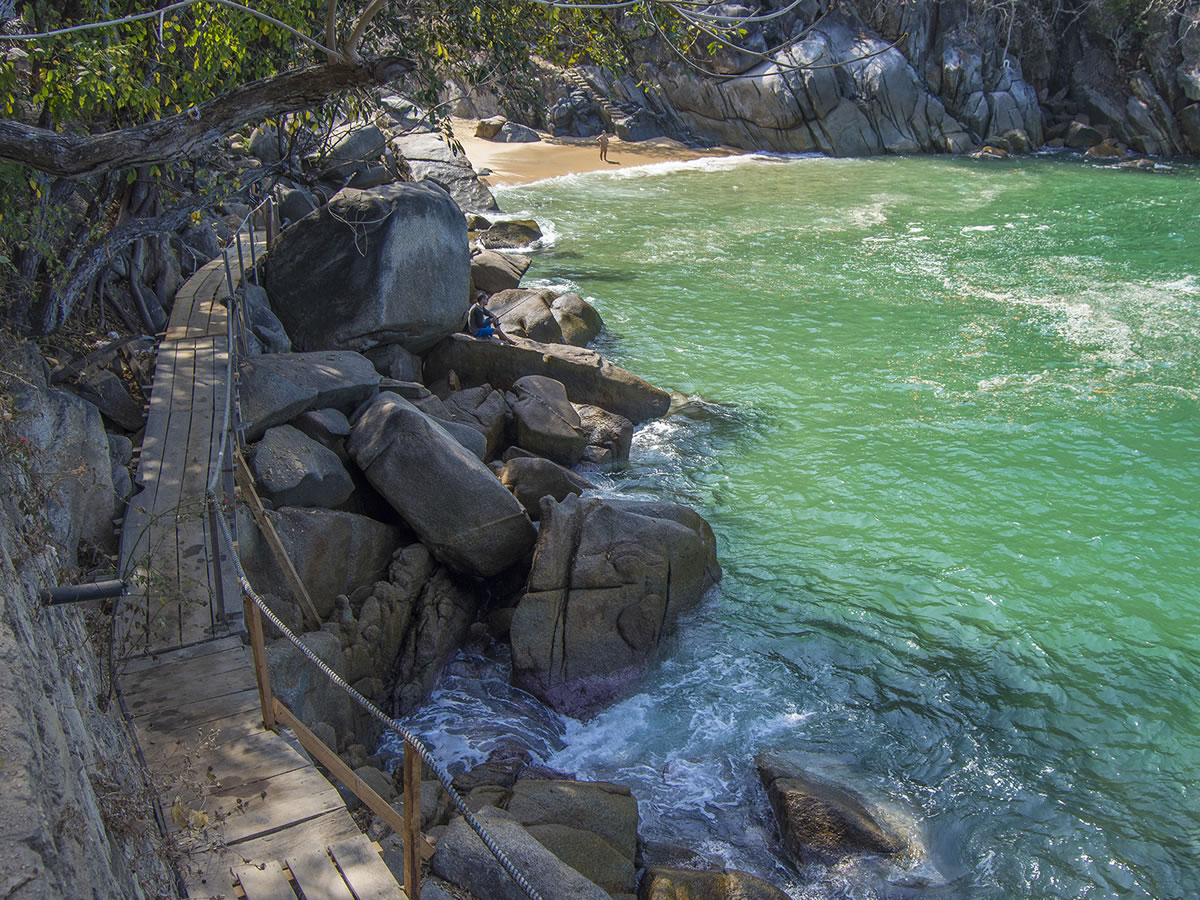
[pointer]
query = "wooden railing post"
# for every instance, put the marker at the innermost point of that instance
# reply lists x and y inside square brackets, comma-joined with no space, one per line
[412,822]
[259,652]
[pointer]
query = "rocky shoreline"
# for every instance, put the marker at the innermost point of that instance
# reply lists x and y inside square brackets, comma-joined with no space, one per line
[422,481]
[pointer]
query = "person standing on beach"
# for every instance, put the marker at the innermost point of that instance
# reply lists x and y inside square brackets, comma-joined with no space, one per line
[604,146]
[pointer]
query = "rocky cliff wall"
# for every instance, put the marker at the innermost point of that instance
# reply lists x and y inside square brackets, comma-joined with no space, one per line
[864,77]
[76,816]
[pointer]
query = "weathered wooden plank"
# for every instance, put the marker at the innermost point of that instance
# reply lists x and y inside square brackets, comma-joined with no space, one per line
[230,759]
[184,668]
[317,876]
[179,719]
[266,883]
[207,874]
[172,690]
[364,871]
[264,805]
[207,648]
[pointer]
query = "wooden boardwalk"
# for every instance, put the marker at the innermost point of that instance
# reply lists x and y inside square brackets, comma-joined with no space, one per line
[252,814]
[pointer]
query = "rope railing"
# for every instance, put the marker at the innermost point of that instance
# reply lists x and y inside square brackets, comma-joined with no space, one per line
[224,539]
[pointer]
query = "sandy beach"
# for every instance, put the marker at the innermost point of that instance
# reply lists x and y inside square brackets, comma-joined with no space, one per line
[553,156]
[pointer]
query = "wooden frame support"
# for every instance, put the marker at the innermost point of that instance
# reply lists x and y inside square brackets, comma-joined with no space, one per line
[245,481]
[258,652]
[343,773]
[412,822]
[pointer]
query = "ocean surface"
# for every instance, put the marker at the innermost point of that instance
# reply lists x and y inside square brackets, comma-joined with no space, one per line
[943,417]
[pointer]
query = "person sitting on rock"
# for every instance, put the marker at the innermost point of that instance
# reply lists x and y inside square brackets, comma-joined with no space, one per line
[482,323]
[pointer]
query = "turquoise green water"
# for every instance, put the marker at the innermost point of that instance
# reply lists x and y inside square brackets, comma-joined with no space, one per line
[944,423]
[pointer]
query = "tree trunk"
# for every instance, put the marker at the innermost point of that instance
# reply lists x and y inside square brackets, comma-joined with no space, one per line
[74,155]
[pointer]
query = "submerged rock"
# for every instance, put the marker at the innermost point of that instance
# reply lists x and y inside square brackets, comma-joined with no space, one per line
[820,821]
[664,883]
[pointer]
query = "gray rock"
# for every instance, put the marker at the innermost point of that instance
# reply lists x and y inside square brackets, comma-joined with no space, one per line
[577,319]
[511,235]
[334,552]
[275,388]
[444,609]
[383,266]
[295,470]
[295,204]
[591,856]
[482,408]
[305,690]
[463,859]
[664,883]
[820,821]
[587,376]
[394,361]
[328,427]
[451,500]
[492,271]
[120,449]
[1080,136]
[372,176]
[109,394]
[352,145]
[378,780]
[490,127]
[546,422]
[527,314]
[514,133]
[609,579]
[200,243]
[65,435]
[430,157]
[530,479]
[608,810]
[263,322]
[609,435]
[264,144]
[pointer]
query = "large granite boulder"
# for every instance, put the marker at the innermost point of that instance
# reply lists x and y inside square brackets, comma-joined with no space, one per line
[577,319]
[527,314]
[531,478]
[295,470]
[463,859]
[457,507]
[333,552]
[609,580]
[665,883]
[545,421]
[492,271]
[587,376]
[386,265]
[609,436]
[483,408]
[107,392]
[820,821]
[443,609]
[277,387]
[63,434]
[432,158]
[512,234]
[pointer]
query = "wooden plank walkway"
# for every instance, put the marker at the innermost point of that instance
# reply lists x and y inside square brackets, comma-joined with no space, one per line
[252,814]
